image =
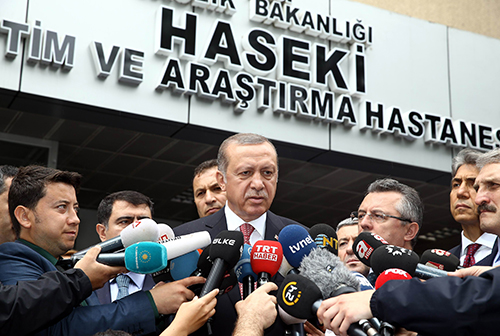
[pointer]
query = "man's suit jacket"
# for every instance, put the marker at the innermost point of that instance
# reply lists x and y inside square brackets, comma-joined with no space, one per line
[104,294]
[225,314]
[486,261]
[133,313]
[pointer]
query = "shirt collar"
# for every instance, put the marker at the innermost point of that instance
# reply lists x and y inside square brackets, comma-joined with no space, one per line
[136,278]
[39,250]
[486,239]
[234,221]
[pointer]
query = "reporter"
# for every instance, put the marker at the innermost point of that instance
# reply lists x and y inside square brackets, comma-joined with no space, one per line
[257,312]
[192,315]
[61,291]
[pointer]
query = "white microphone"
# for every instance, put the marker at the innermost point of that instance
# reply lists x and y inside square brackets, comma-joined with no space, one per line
[165,233]
[145,229]
[181,245]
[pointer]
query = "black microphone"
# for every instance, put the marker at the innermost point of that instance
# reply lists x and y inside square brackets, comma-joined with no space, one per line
[390,256]
[365,244]
[440,259]
[325,237]
[333,278]
[225,252]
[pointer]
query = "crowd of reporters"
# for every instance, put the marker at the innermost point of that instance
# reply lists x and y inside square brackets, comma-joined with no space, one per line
[240,269]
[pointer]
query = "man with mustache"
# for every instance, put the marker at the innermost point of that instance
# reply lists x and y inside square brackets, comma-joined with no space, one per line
[248,173]
[208,195]
[476,247]
[464,304]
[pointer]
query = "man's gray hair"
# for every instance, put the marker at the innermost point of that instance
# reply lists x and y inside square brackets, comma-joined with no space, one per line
[493,156]
[6,172]
[239,139]
[465,156]
[346,222]
[410,206]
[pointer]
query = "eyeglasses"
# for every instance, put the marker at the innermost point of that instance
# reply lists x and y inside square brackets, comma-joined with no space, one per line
[376,216]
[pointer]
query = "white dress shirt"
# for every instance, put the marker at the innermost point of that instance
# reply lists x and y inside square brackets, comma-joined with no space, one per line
[234,222]
[135,285]
[487,241]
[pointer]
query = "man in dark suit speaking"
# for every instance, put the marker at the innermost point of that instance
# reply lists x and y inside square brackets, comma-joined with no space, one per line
[248,172]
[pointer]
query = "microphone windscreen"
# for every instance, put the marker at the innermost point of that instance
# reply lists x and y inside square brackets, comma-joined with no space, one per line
[325,237]
[327,271]
[204,262]
[296,296]
[296,243]
[165,232]
[227,246]
[143,230]
[243,267]
[266,256]
[289,319]
[364,284]
[440,259]
[391,274]
[365,244]
[183,266]
[145,257]
[390,256]
[180,245]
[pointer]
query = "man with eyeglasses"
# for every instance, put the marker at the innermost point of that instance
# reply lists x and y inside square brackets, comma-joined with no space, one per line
[392,210]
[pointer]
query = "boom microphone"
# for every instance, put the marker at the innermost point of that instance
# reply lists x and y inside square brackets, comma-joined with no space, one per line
[296,243]
[325,237]
[266,260]
[365,244]
[333,278]
[142,230]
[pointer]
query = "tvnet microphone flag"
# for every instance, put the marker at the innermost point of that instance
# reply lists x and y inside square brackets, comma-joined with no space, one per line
[244,272]
[391,274]
[440,259]
[296,243]
[266,257]
[225,252]
[365,244]
[390,256]
[325,237]
[140,231]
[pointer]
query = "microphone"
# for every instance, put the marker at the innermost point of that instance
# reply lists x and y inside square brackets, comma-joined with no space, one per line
[228,281]
[165,232]
[440,259]
[266,257]
[180,245]
[142,257]
[142,230]
[225,252]
[244,272]
[325,237]
[296,243]
[333,278]
[391,274]
[390,256]
[365,244]
[183,266]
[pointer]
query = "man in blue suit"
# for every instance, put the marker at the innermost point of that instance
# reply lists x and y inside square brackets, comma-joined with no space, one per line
[43,208]
[115,212]
[248,172]
[482,246]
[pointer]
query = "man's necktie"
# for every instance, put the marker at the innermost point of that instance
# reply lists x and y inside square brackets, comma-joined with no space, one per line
[123,281]
[469,257]
[247,230]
